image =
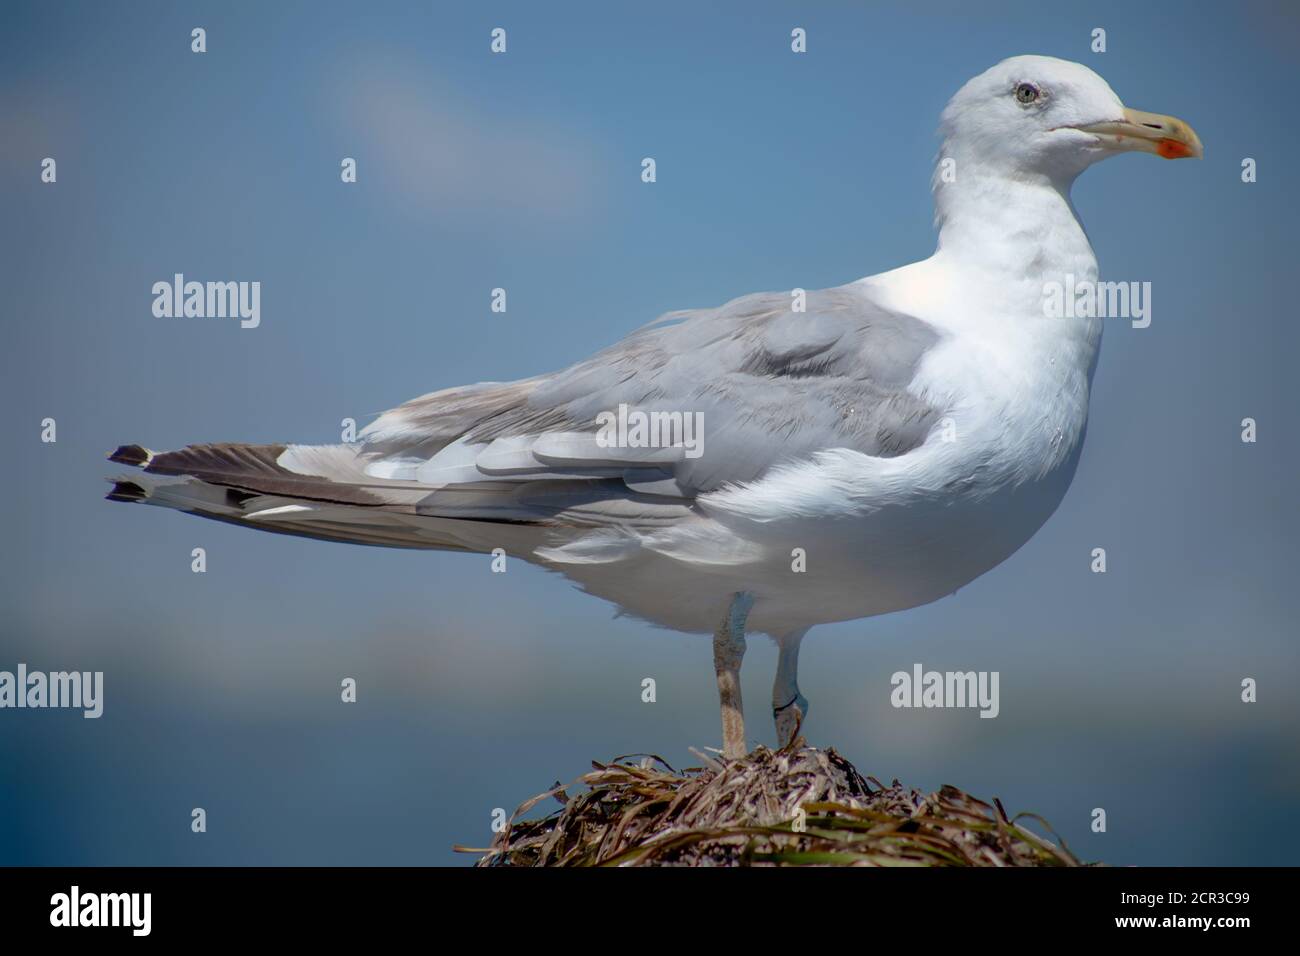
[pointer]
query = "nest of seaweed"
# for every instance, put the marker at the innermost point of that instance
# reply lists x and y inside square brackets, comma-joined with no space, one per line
[797,806]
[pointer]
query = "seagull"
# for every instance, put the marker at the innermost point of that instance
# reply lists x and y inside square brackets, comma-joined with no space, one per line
[784,460]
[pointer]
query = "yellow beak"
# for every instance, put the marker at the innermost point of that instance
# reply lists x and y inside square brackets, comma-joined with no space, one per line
[1166,136]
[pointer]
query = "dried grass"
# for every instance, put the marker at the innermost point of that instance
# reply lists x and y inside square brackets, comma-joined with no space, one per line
[642,812]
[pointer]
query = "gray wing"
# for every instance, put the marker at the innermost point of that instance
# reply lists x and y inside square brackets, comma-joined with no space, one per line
[769,386]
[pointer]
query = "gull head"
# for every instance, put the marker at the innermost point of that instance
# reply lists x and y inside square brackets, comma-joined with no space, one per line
[1035,116]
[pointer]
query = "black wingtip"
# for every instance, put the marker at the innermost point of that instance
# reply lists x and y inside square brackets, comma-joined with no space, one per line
[126,491]
[131,455]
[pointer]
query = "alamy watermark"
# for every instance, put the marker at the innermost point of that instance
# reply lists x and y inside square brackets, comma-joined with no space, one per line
[922,688]
[83,690]
[76,908]
[1087,299]
[633,428]
[209,300]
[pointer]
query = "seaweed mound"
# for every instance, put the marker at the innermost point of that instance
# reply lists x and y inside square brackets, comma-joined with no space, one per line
[798,806]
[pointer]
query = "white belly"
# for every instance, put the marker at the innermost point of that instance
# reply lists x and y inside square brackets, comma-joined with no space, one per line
[848,536]
[809,570]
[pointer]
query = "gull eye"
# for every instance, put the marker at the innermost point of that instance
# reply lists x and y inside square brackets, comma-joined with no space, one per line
[1027,93]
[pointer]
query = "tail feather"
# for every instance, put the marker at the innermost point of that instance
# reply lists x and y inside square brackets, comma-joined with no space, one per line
[258,468]
[308,491]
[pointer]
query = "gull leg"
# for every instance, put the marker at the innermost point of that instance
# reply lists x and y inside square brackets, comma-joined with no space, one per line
[789,707]
[728,652]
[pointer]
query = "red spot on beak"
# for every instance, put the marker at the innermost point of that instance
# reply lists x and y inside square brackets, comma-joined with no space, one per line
[1173,149]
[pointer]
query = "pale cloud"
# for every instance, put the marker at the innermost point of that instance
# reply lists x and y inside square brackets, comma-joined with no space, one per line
[438,150]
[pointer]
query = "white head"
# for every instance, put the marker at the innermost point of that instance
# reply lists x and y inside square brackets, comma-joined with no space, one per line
[1037,116]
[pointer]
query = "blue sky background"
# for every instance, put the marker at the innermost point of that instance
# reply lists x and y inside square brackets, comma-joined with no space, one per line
[478,690]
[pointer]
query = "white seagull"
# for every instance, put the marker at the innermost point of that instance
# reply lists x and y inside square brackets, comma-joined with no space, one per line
[761,466]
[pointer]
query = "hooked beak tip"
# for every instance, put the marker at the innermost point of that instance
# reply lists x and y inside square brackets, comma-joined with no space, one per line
[1156,133]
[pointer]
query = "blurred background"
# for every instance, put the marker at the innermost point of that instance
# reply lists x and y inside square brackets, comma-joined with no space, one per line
[478,690]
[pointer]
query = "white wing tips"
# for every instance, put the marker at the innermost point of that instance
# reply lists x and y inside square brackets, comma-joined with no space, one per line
[136,455]
[179,493]
[125,489]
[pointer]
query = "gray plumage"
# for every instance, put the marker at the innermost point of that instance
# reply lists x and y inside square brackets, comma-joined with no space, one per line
[772,386]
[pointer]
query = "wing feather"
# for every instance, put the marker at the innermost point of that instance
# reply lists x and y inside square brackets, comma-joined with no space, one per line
[769,385]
